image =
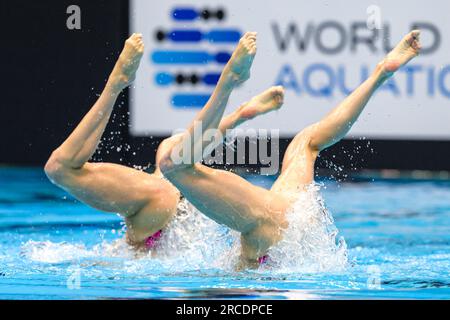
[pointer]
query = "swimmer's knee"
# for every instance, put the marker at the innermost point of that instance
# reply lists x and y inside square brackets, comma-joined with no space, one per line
[165,146]
[56,170]
[301,148]
[165,159]
[169,165]
[165,163]
[306,138]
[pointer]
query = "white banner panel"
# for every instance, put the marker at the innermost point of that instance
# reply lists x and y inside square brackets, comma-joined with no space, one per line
[319,50]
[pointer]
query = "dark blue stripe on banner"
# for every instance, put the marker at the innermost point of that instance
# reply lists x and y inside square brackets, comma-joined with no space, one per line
[184,14]
[189,100]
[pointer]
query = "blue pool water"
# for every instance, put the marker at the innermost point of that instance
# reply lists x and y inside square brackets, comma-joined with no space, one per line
[397,234]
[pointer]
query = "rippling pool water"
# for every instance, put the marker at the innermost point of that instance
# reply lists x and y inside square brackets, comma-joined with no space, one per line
[53,247]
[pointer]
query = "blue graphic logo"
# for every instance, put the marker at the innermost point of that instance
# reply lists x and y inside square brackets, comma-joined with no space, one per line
[221,42]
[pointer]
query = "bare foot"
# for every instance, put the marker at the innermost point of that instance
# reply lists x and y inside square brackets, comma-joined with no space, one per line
[242,58]
[405,51]
[125,69]
[270,100]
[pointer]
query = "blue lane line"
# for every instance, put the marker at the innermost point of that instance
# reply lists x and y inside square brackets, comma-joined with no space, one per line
[184,14]
[214,36]
[189,57]
[190,100]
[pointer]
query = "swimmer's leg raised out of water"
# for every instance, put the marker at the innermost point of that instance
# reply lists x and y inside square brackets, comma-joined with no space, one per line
[258,214]
[223,196]
[267,101]
[147,202]
[298,163]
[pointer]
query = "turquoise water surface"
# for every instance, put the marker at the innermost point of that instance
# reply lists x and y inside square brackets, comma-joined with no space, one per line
[52,247]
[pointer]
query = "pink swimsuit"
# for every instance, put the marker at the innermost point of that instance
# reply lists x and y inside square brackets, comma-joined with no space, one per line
[152,241]
[263,259]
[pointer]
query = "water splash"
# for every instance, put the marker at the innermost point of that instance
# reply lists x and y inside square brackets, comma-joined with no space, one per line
[309,243]
[193,242]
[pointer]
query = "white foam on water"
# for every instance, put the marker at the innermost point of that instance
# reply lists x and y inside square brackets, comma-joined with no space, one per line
[63,252]
[309,243]
[193,242]
[50,252]
[190,242]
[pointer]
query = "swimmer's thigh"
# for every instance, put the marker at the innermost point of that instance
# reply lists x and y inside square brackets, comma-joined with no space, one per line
[146,201]
[227,198]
